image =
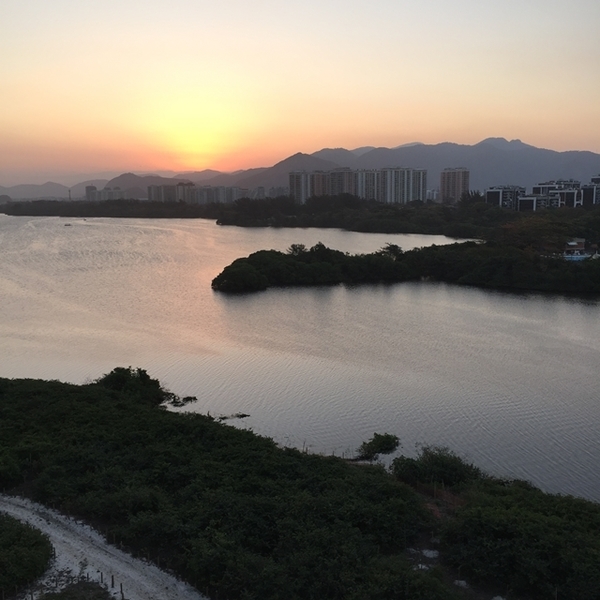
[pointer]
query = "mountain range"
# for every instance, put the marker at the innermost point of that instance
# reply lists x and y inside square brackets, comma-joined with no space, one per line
[493,161]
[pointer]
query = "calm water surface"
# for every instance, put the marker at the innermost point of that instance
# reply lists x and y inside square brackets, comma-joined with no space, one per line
[508,381]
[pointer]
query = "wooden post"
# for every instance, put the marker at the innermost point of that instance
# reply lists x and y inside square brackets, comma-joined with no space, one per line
[122,594]
[112,581]
[101,577]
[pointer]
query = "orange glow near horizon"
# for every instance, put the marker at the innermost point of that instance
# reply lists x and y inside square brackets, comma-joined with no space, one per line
[225,86]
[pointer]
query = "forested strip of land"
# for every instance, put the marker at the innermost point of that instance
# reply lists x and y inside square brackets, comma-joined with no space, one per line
[469,263]
[470,218]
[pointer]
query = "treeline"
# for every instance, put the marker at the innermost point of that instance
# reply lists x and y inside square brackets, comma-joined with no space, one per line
[470,218]
[241,518]
[353,214]
[489,265]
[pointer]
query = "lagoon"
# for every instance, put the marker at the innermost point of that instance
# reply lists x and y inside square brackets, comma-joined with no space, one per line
[508,381]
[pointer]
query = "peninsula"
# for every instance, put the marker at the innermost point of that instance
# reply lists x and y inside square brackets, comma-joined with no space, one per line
[239,517]
[467,263]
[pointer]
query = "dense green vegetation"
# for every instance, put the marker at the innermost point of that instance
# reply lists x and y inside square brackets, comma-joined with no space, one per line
[239,517]
[518,251]
[24,554]
[353,214]
[486,265]
[227,510]
[509,534]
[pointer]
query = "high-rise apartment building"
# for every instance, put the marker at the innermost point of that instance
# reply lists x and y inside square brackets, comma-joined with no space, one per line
[400,186]
[299,186]
[505,196]
[392,185]
[93,194]
[190,194]
[453,184]
[342,181]
[367,184]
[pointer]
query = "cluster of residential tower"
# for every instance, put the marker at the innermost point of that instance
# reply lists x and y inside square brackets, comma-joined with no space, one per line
[403,185]
[394,185]
[550,194]
[397,185]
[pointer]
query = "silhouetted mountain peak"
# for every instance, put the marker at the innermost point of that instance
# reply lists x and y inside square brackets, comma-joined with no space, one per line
[409,145]
[131,180]
[199,176]
[301,161]
[503,144]
[362,150]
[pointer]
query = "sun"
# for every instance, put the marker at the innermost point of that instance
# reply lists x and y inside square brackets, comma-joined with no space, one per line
[198,129]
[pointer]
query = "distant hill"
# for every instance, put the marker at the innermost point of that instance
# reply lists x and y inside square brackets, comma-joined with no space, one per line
[129,180]
[232,179]
[78,190]
[362,150]
[493,161]
[198,176]
[136,186]
[35,191]
[407,145]
[340,156]
[278,174]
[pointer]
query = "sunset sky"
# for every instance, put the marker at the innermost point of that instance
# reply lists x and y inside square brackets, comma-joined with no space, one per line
[131,85]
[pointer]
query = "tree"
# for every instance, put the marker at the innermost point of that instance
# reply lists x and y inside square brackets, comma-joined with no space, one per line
[392,250]
[296,249]
[136,383]
[471,197]
[380,443]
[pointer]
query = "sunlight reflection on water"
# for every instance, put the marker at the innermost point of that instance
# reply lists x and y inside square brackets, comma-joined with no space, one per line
[508,380]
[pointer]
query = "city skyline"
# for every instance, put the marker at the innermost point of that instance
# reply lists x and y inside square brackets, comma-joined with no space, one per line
[185,85]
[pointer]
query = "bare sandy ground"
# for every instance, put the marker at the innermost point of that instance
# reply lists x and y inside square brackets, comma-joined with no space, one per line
[82,551]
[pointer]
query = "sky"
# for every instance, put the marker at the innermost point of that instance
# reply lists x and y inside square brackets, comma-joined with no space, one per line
[182,85]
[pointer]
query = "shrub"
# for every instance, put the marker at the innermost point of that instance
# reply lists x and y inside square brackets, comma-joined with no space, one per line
[435,464]
[380,443]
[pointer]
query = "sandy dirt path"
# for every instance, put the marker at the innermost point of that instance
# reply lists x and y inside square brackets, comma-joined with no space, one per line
[80,550]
